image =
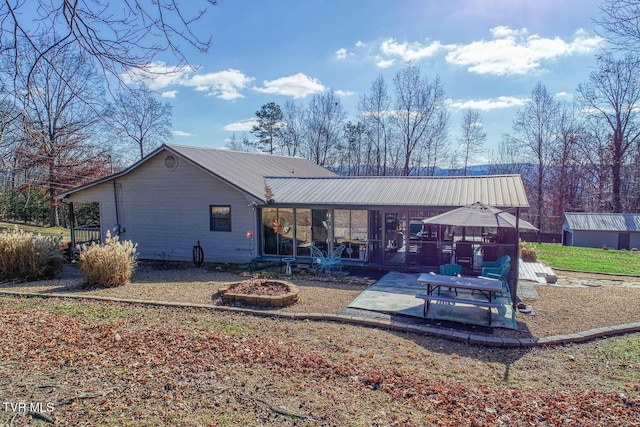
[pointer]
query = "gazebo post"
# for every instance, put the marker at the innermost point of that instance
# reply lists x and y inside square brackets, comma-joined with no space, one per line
[514,290]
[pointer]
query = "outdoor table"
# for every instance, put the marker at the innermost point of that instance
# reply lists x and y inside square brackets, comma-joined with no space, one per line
[484,286]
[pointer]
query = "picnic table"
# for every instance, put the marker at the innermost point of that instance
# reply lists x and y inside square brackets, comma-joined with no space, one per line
[485,287]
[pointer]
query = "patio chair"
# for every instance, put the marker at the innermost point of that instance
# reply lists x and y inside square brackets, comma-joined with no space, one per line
[501,270]
[497,263]
[499,273]
[464,255]
[450,270]
[327,262]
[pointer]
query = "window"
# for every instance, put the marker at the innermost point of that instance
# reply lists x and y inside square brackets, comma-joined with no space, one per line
[220,218]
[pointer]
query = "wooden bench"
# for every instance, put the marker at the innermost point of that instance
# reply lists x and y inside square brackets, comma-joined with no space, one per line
[444,298]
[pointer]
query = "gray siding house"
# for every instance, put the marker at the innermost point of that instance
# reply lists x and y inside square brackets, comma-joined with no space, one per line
[178,196]
[597,230]
[242,206]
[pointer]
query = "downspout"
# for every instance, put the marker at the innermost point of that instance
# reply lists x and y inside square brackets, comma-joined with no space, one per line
[115,200]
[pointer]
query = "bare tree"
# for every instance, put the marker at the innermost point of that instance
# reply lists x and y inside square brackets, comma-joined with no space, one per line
[472,136]
[118,36]
[593,150]
[535,130]
[323,122]
[507,158]
[352,151]
[293,128]
[138,117]
[620,23]
[240,144]
[374,110]
[567,168]
[421,118]
[612,96]
[58,121]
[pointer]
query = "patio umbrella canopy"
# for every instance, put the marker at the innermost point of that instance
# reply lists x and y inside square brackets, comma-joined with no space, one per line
[479,215]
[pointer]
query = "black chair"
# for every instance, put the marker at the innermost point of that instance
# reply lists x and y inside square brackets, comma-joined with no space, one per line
[489,253]
[429,253]
[464,255]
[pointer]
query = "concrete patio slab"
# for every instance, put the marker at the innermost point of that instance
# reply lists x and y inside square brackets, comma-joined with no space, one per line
[395,293]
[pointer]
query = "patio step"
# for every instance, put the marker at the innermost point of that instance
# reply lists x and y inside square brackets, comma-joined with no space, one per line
[534,271]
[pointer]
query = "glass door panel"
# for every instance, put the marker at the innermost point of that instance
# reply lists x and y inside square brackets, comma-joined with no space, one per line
[394,238]
[303,232]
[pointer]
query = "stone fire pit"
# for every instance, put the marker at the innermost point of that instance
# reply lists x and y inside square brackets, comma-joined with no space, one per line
[260,293]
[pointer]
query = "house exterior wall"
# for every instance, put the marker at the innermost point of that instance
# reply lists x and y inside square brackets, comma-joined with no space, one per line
[166,212]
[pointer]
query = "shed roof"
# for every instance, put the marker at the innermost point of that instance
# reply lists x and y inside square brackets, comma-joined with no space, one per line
[501,191]
[603,221]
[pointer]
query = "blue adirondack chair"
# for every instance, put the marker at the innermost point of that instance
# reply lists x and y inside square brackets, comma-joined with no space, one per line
[450,270]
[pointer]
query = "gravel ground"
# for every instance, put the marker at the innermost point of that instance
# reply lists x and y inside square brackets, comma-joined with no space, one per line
[577,303]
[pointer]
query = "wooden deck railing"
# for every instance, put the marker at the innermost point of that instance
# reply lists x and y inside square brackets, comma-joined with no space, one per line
[86,234]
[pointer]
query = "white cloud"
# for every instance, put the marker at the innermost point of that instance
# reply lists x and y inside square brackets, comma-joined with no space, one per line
[225,84]
[515,52]
[169,94]
[241,126]
[360,44]
[341,53]
[385,63]
[296,86]
[344,92]
[500,102]
[504,31]
[410,52]
[180,133]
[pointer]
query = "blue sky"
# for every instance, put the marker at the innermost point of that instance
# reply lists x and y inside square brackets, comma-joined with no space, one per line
[488,53]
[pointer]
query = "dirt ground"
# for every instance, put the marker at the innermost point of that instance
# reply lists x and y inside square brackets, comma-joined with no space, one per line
[603,300]
[77,363]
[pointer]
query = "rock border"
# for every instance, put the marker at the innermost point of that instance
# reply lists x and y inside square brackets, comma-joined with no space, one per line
[575,338]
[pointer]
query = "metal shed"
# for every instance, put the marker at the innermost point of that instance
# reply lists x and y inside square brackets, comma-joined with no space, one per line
[598,230]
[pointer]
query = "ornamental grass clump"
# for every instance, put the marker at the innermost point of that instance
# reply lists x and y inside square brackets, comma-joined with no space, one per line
[109,264]
[29,256]
[528,254]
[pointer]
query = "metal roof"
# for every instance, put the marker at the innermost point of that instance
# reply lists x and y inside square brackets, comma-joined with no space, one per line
[297,181]
[603,221]
[245,171]
[501,191]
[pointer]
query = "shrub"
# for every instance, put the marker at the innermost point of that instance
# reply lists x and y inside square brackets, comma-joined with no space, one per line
[110,264]
[528,254]
[29,256]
